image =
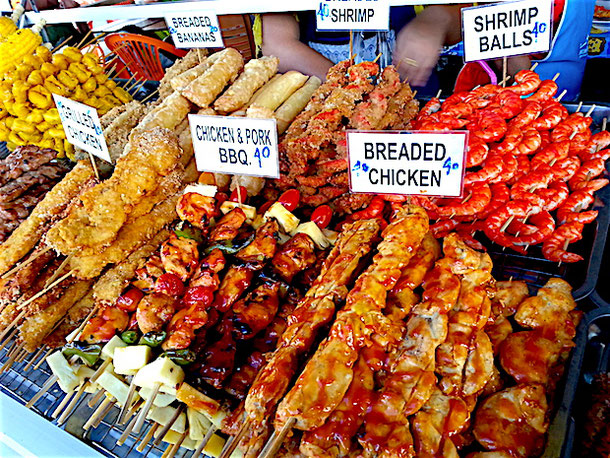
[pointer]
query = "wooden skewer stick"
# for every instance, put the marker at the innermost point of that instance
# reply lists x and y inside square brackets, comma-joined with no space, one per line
[132,411]
[135,83]
[533,67]
[125,434]
[149,96]
[65,401]
[276,440]
[9,362]
[125,407]
[504,65]
[61,44]
[87,35]
[46,387]
[579,107]
[377,58]
[556,76]
[13,323]
[438,94]
[105,412]
[507,223]
[351,45]
[590,111]
[83,324]
[94,165]
[34,358]
[205,441]
[604,122]
[148,437]
[59,269]
[22,356]
[137,88]
[174,448]
[8,339]
[100,370]
[28,261]
[95,398]
[467,198]
[70,407]
[43,359]
[564,92]
[169,425]
[146,408]
[97,413]
[234,441]
[44,291]
[94,39]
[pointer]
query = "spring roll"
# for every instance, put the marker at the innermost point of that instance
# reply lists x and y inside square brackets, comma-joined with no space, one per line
[169,114]
[295,104]
[180,82]
[277,91]
[256,73]
[205,88]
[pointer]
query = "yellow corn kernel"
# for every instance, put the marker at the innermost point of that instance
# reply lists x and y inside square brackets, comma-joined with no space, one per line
[79,95]
[43,126]
[48,69]
[46,143]
[21,110]
[110,85]
[16,139]
[73,54]
[33,61]
[122,94]
[101,91]
[57,132]
[60,61]
[67,79]
[23,71]
[54,86]
[34,138]
[6,93]
[90,85]
[9,106]
[93,63]
[3,114]
[35,117]
[21,125]
[101,78]
[44,53]
[52,116]
[36,77]
[40,97]
[20,91]
[8,121]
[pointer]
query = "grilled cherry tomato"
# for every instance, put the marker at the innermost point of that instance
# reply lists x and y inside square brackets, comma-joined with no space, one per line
[169,284]
[199,295]
[130,299]
[220,198]
[290,199]
[243,194]
[322,216]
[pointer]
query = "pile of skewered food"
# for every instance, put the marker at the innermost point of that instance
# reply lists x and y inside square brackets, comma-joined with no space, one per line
[31,73]
[25,177]
[213,298]
[313,153]
[83,228]
[526,158]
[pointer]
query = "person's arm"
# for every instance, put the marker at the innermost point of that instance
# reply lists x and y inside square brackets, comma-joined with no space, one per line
[419,43]
[281,39]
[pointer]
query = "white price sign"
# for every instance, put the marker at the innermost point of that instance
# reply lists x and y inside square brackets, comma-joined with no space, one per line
[239,146]
[410,163]
[82,126]
[353,15]
[506,29]
[195,30]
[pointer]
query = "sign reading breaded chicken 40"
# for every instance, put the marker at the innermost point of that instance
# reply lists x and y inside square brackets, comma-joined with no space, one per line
[353,15]
[82,126]
[506,29]
[239,146]
[408,163]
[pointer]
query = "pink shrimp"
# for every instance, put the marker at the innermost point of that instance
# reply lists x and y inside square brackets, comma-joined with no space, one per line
[477,151]
[507,104]
[500,195]
[518,227]
[523,168]
[544,225]
[491,168]
[513,137]
[594,185]
[443,227]
[565,169]
[482,96]
[488,126]
[432,106]
[579,144]
[599,141]
[576,122]
[553,248]
[554,195]
[587,172]
[526,187]
[509,168]
[480,196]
[459,110]
[528,115]
[572,209]
[546,90]
[469,240]
[455,98]
[551,154]
[527,82]
[545,137]
[602,154]
[496,220]
[552,114]
[530,143]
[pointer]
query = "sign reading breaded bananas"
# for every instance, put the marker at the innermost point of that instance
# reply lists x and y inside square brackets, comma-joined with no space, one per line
[82,126]
[239,146]
[198,29]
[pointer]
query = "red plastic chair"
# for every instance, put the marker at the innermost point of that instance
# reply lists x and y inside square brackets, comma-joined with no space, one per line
[141,54]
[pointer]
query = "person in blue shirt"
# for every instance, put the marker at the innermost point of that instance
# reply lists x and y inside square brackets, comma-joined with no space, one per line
[414,42]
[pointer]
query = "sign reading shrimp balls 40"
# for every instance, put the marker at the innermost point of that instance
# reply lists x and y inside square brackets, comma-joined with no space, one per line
[506,29]
[199,29]
[239,146]
[409,163]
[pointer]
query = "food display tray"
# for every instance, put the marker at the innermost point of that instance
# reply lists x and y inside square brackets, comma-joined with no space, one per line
[590,357]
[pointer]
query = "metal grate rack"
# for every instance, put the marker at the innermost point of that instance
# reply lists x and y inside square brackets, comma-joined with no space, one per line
[22,386]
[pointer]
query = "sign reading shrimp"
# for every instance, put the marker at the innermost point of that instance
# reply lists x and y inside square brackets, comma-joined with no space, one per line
[353,15]
[408,163]
[506,29]
[239,146]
